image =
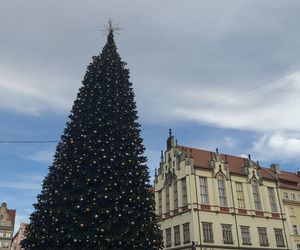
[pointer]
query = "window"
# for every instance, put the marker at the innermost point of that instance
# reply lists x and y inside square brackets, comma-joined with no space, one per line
[177,235]
[1,234]
[7,235]
[222,191]
[246,235]
[184,192]
[207,232]
[256,196]
[186,233]
[0,244]
[293,197]
[292,212]
[279,237]
[298,246]
[272,199]
[298,197]
[167,199]
[240,194]
[159,203]
[203,190]
[227,234]
[295,229]
[168,237]
[263,237]
[285,195]
[175,191]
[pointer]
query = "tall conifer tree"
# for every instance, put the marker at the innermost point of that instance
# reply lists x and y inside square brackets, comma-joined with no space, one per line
[97,193]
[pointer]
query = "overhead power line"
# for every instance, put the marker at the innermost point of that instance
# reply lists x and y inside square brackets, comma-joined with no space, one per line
[28,142]
[241,93]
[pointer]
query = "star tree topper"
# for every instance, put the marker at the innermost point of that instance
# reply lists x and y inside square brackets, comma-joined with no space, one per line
[110,27]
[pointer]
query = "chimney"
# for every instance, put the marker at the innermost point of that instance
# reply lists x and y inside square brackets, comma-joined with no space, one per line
[276,168]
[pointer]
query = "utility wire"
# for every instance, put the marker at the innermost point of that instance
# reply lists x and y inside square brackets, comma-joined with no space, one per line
[241,93]
[28,142]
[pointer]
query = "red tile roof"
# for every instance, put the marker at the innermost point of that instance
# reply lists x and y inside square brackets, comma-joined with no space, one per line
[202,158]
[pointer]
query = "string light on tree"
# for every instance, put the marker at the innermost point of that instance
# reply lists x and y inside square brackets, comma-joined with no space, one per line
[97,193]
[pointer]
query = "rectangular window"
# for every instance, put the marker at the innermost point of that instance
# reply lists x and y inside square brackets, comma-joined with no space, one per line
[208,235]
[295,229]
[227,234]
[167,199]
[292,212]
[256,195]
[245,230]
[175,191]
[159,203]
[272,199]
[240,194]
[222,191]
[285,195]
[184,192]
[298,246]
[293,197]
[279,237]
[186,233]
[177,235]
[203,190]
[168,237]
[263,237]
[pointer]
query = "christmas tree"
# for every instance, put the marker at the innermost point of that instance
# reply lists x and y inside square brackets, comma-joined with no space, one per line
[97,193]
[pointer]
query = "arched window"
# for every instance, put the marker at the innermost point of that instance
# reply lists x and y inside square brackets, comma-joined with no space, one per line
[256,195]
[222,191]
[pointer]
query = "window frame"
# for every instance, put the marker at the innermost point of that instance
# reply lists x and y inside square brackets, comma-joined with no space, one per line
[256,195]
[204,199]
[177,239]
[227,233]
[186,233]
[245,234]
[208,233]
[222,191]
[279,237]
[240,195]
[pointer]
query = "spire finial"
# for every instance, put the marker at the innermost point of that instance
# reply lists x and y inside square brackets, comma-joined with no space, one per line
[110,27]
[170,132]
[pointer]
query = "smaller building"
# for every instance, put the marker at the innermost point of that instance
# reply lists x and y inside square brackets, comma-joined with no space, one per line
[7,222]
[19,236]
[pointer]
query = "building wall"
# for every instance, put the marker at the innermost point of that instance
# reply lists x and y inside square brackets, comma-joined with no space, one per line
[291,206]
[19,236]
[177,164]
[6,226]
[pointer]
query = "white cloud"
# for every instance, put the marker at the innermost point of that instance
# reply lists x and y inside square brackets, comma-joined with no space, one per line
[277,146]
[25,92]
[272,107]
[42,156]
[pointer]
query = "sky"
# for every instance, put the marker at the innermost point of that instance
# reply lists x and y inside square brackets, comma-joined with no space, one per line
[221,74]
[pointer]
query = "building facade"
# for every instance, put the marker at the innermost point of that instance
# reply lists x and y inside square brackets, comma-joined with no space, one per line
[19,236]
[207,200]
[7,222]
